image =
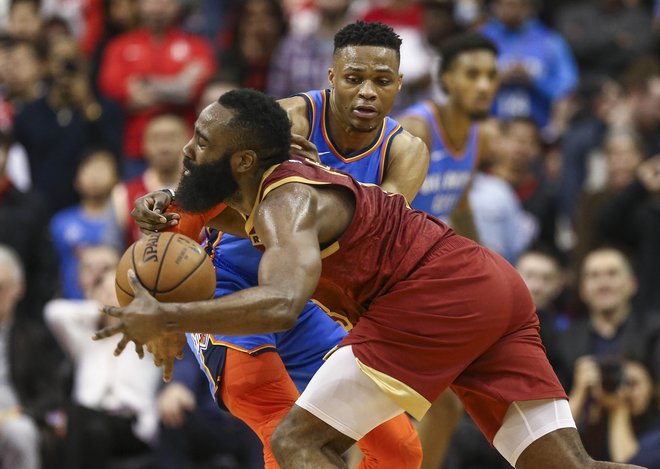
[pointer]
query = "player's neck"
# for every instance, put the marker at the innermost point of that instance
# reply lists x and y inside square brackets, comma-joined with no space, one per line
[245,198]
[455,125]
[346,138]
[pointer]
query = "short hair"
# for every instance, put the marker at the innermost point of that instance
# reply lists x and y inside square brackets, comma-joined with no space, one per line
[505,125]
[98,152]
[9,257]
[361,33]
[461,44]
[259,123]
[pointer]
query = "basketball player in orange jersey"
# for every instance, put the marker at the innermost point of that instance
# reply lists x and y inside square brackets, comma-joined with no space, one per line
[456,142]
[350,128]
[429,308]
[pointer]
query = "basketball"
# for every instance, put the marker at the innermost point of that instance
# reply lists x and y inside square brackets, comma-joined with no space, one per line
[172,267]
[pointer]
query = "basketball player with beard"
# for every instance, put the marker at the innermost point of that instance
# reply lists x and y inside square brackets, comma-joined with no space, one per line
[456,142]
[429,308]
[350,130]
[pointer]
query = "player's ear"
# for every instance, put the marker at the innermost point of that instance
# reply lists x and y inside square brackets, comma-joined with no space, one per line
[244,161]
[331,77]
[400,80]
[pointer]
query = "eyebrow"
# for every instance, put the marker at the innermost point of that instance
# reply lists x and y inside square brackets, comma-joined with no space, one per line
[202,134]
[360,68]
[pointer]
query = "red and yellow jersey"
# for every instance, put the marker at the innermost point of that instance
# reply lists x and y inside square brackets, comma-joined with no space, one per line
[384,243]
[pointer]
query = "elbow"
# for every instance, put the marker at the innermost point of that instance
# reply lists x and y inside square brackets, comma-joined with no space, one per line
[287,312]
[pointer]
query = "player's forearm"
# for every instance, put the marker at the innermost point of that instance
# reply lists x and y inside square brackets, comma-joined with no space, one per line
[258,310]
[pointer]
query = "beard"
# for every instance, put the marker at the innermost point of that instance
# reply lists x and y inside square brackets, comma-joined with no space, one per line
[205,185]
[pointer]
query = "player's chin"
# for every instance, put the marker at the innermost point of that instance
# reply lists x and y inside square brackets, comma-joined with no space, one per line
[366,125]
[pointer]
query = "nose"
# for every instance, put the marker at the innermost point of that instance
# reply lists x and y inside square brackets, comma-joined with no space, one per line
[367,91]
[484,84]
[187,150]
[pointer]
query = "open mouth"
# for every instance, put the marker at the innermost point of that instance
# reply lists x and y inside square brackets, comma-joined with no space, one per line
[365,112]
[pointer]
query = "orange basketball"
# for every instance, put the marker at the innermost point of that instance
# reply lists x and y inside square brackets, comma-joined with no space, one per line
[173,267]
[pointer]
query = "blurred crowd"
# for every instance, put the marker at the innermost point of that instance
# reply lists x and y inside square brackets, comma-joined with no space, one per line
[98,97]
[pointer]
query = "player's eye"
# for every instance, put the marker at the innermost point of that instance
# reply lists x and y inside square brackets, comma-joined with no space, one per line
[384,82]
[352,79]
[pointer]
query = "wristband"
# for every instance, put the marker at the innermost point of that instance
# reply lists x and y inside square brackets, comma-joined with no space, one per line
[170,192]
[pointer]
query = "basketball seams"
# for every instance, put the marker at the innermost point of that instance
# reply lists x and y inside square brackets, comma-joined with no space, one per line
[123,290]
[160,265]
[198,280]
[184,278]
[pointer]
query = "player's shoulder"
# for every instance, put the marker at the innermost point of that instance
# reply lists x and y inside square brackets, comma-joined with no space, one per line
[408,143]
[296,109]
[416,124]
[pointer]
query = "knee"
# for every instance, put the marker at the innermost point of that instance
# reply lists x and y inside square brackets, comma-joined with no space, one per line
[283,441]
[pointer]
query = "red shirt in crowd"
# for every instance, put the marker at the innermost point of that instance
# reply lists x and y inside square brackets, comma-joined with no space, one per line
[138,55]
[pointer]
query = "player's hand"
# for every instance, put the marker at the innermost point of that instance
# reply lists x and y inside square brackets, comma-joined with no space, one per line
[165,350]
[587,374]
[149,212]
[173,402]
[300,146]
[141,322]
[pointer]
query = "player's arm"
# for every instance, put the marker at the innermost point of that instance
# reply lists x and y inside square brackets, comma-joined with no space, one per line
[287,225]
[462,217]
[296,109]
[407,166]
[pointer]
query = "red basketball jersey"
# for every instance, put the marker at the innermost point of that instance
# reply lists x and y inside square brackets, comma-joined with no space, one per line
[382,246]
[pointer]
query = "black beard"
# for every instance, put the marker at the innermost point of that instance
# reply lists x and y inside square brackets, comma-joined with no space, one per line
[205,185]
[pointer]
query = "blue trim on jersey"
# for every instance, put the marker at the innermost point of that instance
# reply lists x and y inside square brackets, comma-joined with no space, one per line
[449,173]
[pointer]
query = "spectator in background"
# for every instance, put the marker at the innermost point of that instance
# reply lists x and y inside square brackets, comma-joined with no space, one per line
[19,437]
[502,224]
[537,68]
[22,218]
[595,346]
[117,17]
[639,107]
[56,129]
[69,12]
[605,35]
[25,19]
[259,26]
[632,219]
[542,273]
[89,223]
[633,414]
[164,138]
[633,106]
[114,411]
[24,74]
[624,151]
[518,161]
[155,69]
[193,429]
[302,60]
